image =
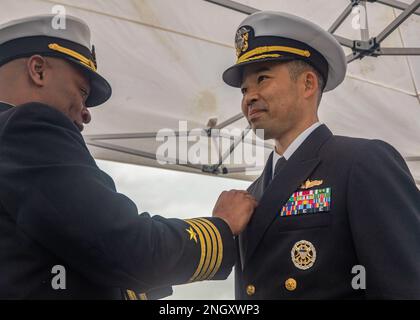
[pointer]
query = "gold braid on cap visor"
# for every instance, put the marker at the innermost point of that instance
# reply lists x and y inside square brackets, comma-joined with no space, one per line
[87,62]
[264,52]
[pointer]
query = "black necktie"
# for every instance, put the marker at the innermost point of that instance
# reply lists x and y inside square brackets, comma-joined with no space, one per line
[279,165]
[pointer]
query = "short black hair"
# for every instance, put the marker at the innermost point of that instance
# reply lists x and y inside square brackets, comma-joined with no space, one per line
[297,67]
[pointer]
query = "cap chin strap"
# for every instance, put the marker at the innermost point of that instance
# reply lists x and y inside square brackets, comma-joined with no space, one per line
[271,49]
[87,62]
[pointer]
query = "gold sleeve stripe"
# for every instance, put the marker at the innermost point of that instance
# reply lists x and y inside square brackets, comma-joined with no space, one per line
[213,249]
[220,248]
[262,56]
[208,249]
[203,250]
[143,296]
[87,62]
[131,295]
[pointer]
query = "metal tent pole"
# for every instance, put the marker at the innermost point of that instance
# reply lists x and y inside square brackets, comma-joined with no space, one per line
[337,23]
[400,19]
[239,7]
[397,5]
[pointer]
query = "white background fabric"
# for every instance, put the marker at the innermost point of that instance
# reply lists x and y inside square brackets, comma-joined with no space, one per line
[165,58]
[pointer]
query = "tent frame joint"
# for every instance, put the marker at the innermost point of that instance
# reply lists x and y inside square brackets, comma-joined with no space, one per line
[214,169]
[366,48]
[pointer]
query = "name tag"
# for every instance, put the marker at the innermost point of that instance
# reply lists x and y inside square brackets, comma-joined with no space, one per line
[307,201]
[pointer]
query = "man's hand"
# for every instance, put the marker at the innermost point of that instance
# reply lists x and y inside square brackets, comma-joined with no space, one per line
[235,207]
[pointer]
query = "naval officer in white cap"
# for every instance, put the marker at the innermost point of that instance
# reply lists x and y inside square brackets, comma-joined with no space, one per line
[327,203]
[59,212]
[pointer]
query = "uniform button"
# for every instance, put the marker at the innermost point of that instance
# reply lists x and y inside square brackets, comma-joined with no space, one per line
[250,290]
[290,284]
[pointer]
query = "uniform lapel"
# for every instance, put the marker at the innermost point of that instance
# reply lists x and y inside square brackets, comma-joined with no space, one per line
[257,190]
[5,106]
[296,171]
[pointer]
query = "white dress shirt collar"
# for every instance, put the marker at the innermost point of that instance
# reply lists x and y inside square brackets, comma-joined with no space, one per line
[294,145]
[7,103]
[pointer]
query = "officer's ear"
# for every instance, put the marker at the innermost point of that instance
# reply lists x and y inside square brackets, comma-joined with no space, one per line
[37,66]
[310,84]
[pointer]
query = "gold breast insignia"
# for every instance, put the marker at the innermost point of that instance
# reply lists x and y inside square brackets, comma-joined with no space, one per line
[303,254]
[310,184]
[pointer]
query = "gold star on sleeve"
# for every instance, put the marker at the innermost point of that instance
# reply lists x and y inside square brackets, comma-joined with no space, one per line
[192,234]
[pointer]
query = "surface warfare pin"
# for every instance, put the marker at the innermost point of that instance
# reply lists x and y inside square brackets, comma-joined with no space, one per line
[310,184]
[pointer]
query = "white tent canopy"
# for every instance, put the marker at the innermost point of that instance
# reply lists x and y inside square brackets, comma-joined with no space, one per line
[164,60]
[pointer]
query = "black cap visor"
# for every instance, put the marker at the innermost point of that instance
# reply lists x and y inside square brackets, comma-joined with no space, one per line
[100,89]
[233,76]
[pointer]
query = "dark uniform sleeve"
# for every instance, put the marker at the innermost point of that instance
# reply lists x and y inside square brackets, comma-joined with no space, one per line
[384,212]
[57,195]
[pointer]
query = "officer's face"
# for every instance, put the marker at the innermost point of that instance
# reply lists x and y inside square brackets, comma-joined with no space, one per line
[67,89]
[270,98]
